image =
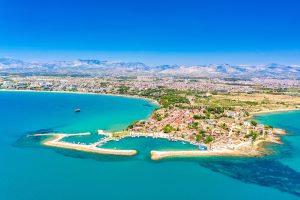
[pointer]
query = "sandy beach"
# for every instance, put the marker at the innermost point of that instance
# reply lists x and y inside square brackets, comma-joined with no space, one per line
[274,111]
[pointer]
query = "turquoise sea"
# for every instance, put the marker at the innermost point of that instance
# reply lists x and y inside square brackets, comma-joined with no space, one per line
[31,172]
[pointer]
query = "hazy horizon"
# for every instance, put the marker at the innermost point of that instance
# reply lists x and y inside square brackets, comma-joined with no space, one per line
[150,59]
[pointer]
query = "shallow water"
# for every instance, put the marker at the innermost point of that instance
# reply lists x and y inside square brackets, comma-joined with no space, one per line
[289,153]
[32,172]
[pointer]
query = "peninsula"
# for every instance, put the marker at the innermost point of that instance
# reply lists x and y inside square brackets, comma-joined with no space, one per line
[219,121]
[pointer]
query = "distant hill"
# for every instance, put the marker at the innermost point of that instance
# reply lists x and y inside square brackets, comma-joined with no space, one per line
[93,67]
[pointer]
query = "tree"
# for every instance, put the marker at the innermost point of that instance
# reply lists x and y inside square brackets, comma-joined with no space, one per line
[207,115]
[268,126]
[172,99]
[197,116]
[253,123]
[202,132]
[133,124]
[157,116]
[252,134]
[246,113]
[208,139]
[168,128]
[123,89]
[223,126]
[199,137]
[195,124]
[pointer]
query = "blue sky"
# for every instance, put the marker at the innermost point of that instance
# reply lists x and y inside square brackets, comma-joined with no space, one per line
[153,31]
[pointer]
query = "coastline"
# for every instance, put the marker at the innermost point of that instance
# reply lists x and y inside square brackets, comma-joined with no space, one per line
[156,155]
[263,112]
[252,114]
[86,93]
[257,150]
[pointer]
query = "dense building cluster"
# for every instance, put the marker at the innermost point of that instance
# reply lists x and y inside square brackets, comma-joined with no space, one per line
[227,128]
[133,85]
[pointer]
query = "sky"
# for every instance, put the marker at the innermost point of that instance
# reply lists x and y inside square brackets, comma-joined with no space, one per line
[152,31]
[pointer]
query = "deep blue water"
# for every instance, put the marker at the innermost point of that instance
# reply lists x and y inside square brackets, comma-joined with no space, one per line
[32,172]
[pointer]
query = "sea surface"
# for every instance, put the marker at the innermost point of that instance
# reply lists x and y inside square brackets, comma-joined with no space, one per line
[29,171]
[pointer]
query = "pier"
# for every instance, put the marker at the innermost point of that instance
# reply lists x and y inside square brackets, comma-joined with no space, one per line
[92,148]
[157,155]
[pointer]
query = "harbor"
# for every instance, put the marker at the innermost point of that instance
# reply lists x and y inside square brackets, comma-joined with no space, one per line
[56,142]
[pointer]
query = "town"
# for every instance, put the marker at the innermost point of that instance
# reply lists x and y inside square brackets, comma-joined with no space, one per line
[121,84]
[213,113]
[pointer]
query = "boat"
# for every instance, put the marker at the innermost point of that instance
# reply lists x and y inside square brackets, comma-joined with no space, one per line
[77,110]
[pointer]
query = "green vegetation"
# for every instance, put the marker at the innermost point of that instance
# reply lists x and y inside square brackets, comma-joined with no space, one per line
[166,97]
[120,134]
[246,113]
[195,125]
[133,124]
[157,116]
[217,101]
[168,128]
[197,117]
[252,134]
[253,123]
[169,100]
[223,126]
[216,110]
[103,84]
[268,126]
[207,115]
[202,132]
[199,137]
[208,139]
[123,89]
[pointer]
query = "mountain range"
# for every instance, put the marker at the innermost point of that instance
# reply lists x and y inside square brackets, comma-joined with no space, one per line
[92,67]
